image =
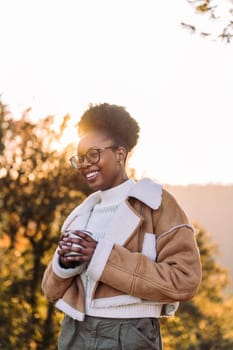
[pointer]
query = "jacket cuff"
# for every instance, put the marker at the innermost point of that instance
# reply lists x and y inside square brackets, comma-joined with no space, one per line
[99,259]
[64,272]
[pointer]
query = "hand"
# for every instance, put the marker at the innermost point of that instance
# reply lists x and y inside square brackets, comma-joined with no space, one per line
[81,253]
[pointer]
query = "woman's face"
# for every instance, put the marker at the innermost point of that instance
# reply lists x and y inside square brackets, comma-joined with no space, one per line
[109,171]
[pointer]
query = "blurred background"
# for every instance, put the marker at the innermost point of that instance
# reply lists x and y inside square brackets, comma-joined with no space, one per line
[169,64]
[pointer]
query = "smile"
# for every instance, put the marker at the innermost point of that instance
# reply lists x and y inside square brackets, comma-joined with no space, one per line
[91,175]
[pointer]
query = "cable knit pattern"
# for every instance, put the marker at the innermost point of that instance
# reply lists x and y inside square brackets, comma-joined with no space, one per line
[99,219]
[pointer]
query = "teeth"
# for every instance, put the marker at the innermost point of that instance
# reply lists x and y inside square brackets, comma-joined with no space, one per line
[90,175]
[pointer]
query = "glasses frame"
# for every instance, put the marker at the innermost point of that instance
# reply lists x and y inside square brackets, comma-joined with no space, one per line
[77,164]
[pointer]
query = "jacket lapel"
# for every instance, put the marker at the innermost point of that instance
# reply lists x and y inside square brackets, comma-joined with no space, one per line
[81,213]
[123,224]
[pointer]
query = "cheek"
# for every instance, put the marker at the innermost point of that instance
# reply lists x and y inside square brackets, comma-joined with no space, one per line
[110,166]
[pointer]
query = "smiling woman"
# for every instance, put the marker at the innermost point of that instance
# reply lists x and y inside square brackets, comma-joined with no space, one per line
[122,276]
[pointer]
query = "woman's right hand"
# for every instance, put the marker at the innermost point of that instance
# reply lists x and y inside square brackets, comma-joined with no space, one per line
[77,249]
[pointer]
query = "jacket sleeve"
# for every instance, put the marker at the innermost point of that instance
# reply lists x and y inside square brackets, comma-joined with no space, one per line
[57,279]
[54,286]
[176,274]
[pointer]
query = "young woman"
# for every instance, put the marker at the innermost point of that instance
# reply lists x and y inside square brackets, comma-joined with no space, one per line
[127,255]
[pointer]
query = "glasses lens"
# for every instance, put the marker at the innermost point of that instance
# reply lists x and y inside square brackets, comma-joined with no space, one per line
[75,162]
[93,156]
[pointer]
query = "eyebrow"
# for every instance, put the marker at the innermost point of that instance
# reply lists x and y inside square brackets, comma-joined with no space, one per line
[89,149]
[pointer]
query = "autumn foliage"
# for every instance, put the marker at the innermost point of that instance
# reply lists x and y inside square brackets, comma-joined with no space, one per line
[38,188]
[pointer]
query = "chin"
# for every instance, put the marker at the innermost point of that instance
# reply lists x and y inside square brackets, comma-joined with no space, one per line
[99,186]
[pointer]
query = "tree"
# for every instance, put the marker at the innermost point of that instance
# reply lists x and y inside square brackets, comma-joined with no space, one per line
[206,322]
[219,19]
[37,190]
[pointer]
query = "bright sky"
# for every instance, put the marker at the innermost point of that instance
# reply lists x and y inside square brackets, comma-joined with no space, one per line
[58,56]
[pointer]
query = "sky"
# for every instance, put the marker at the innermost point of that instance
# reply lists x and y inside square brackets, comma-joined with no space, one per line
[59,56]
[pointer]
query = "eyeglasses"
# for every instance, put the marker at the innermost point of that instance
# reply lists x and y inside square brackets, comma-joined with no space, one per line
[92,156]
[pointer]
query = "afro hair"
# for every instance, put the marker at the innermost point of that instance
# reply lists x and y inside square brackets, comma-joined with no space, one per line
[114,121]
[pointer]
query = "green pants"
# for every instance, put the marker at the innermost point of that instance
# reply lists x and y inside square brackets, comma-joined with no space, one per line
[96,333]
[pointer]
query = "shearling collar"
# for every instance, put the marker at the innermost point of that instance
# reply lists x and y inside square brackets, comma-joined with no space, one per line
[145,190]
[148,192]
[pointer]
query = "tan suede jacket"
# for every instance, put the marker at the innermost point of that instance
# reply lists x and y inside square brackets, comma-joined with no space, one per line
[119,266]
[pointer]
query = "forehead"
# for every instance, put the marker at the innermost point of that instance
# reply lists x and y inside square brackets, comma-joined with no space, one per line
[93,139]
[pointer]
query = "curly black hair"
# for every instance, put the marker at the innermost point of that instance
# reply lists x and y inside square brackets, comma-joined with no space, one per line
[114,121]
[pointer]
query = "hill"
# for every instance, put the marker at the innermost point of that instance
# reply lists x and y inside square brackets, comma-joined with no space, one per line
[211,207]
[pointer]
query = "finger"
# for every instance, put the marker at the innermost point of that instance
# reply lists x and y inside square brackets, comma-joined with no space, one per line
[63,252]
[85,244]
[70,259]
[64,234]
[87,252]
[86,235]
[78,258]
[64,244]
[64,247]
[84,241]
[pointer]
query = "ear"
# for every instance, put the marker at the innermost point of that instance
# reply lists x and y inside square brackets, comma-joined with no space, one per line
[121,154]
